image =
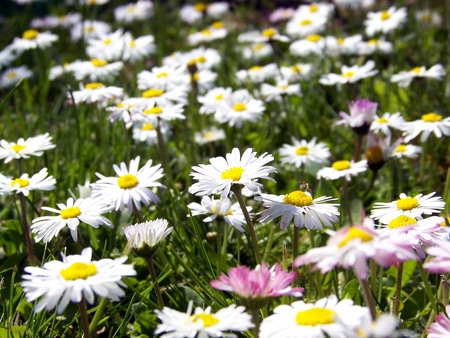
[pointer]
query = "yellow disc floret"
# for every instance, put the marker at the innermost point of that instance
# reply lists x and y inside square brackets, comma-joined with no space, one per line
[315,316]
[314,38]
[147,126]
[348,74]
[207,319]
[153,111]
[385,15]
[21,182]
[94,85]
[269,33]
[127,181]
[71,212]
[239,107]
[416,70]
[374,155]
[302,150]
[30,34]
[407,203]
[401,148]
[99,62]
[431,117]
[355,233]
[298,198]
[200,7]
[79,270]
[341,165]
[234,174]
[401,221]
[18,147]
[305,22]
[152,93]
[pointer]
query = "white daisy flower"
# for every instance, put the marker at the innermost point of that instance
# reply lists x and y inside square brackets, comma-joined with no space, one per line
[213,100]
[409,206]
[137,49]
[146,132]
[346,46]
[53,21]
[304,152]
[167,113]
[404,79]
[269,34]
[204,79]
[141,10]
[257,74]
[145,237]
[96,70]
[217,9]
[160,97]
[275,93]
[383,326]
[429,123]
[87,210]
[349,74]
[407,150]
[192,13]
[429,17]
[281,14]
[240,107]
[204,322]
[328,316]
[131,187]
[222,173]
[11,76]
[24,184]
[354,3]
[89,30]
[221,209]
[257,51]
[76,277]
[94,92]
[7,56]
[312,44]
[382,125]
[322,9]
[32,39]
[93,2]
[64,69]
[384,21]
[297,72]
[32,146]
[374,45]
[209,135]
[108,47]
[207,35]
[202,58]
[165,77]
[301,207]
[342,168]
[302,25]
[128,111]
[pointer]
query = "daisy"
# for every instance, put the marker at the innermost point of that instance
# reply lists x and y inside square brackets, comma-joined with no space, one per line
[221,209]
[342,168]
[328,317]
[192,13]
[207,35]
[204,79]
[93,2]
[87,210]
[354,3]
[217,10]
[312,44]
[157,96]
[304,152]
[349,74]
[321,9]
[53,21]
[165,77]
[167,113]
[346,46]
[128,111]
[131,187]
[73,279]
[440,263]
[281,88]
[89,29]
[383,326]
[257,74]
[240,107]
[281,14]
[429,17]
[257,51]
[223,173]
[302,25]
[32,39]
[362,114]
[7,56]
[429,123]
[299,71]
[441,326]
[202,58]
[141,10]
[202,322]
[96,70]
[209,135]
[382,125]
[213,100]
[11,76]
[404,79]
[270,34]
[374,45]
[409,206]
[32,146]
[407,150]
[255,288]
[94,92]
[24,184]
[145,237]
[107,47]
[379,150]
[300,206]
[146,132]
[384,21]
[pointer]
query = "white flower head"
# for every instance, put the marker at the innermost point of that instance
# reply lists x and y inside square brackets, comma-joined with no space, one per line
[32,146]
[407,150]
[32,39]
[141,10]
[342,168]
[405,78]
[89,29]
[382,125]
[304,153]
[349,74]
[257,74]
[24,184]
[429,123]
[312,44]
[385,21]
[209,135]
[96,69]
[94,92]
[11,76]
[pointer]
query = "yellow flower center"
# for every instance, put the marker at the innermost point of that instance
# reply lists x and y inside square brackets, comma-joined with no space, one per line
[348,74]
[152,93]
[407,203]
[302,150]
[207,319]
[444,223]
[255,69]
[340,41]
[89,29]
[313,8]
[21,182]
[341,165]
[153,111]
[200,7]
[239,107]
[374,155]
[127,181]
[385,15]
[416,70]
[11,75]
[269,33]
[401,221]
[219,97]
[296,69]
[195,77]
[99,63]
[72,212]
[217,24]
[208,135]
[354,233]
[30,34]
[305,22]
[233,174]
[120,105]
[200,59]
[163,74]
[315,316]
[314,38]
[372,41]
[298,198]
[205,32]
[382,120]
[431,117]
[107,41]
[147,126]
[17,148]
[79,270]
[94,85]
[133,43]
[258,46]
[401,148]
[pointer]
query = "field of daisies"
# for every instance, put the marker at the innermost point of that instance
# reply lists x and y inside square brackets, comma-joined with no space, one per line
[224,169]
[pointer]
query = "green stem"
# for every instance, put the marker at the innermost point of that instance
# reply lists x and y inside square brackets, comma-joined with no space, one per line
[161,149]
[219,248]
[84,318]
[225,241]
[398,290]
[368,298]
[296,242]
[444,283]
[269,244]
[98,314]
[369,188]
[255,320]
[26,229]
[428,288]
[237,189]
[373,276]
[316,273]
[151,268]
[446,194]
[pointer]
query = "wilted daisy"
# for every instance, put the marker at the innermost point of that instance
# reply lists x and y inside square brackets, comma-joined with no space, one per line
[362,114]
[24,184]
[146,237]
[202,322]
[73,279]
[131,186]
[374,45]
[342,168]
[304,153]
[87,210]
[96,69]
[429,123]
[209,135]
[11,76]
[221,209]
[223,173]
[301,207]
[383,124]
[281,88]
[327,317]
[379,150]
[405,78]
[312,44]
[89,29]
[299,71]
[441,325]
[213,100]
[257,74]
[409,206]
[349,74]
[94,92]
[32,39]
[32,146]
[141,10]
[407,150]
[384,21]
[255,288]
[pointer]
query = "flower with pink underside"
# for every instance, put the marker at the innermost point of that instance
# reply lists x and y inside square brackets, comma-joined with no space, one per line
[255,287]
[441,327]
[441,262]
[362,113]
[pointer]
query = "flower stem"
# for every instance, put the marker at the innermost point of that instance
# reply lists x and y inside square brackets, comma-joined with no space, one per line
[98,314]
[296,240]
[269,244]
[84,317]
[151,268]
[369,188]
[237,189]
[225,240]
[255,320]
[26,229]
[428,288]
[162,152]
[398,290]
[373,276]
[444,283]
[357,154]
[368,298]
[316,273]
[219,247]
